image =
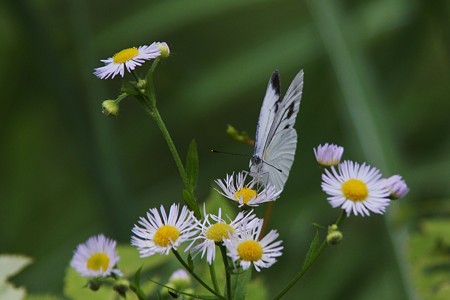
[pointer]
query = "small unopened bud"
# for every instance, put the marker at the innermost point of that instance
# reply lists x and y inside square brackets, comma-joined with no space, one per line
[238,136]
[94,284]
[334,236]
[141,84]
[180,279]
[122,286]
[110,107]
[164,48]
[328,155]
[397,187]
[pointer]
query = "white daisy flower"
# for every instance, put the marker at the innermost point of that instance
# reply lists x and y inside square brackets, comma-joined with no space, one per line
[249,250]
[250,194]
[161,233]
[96,258]
[358,189]
[328,154]
[397,187]
[216,230]
[128,58]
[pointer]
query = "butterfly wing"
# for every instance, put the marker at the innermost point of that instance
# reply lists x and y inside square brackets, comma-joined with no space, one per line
[280,141]
[267,114]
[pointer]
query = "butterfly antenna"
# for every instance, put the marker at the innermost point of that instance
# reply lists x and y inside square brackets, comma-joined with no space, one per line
[230,153]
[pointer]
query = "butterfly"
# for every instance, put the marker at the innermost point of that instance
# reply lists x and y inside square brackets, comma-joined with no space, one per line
[276,137]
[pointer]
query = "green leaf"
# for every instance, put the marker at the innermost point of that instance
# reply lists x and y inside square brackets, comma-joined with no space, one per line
[312,252]
[11,265]
[189,198]
[429,254]
[190,262]
[239,283]
[192,164]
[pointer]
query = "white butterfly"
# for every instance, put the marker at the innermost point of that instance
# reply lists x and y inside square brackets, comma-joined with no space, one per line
[276,138]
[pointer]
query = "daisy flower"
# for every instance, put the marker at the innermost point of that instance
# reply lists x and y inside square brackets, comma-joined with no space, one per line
[96,258]
[160,233]
[129,58]
[328,154]
[358,189]
[180,279]
[397,187]
[249,250]
[216,230]
[250,194]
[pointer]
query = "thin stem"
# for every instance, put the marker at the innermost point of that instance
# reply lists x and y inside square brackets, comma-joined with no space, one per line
[185,265]
[227,270]
[157,117]
[309,264]
[212,272]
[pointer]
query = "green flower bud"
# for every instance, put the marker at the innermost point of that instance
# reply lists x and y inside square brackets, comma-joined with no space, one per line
[121,286]
[334,236]
[94,284]
[110,107]
[141,84]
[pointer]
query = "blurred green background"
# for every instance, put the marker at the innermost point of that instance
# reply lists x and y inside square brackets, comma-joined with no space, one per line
[376,81]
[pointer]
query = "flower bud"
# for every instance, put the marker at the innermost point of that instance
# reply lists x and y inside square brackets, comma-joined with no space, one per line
[164,48]
[122,286]
[397,187]
[94,284]
[238,136]
[110,107]
[334,236]
[180,279]
[328,155]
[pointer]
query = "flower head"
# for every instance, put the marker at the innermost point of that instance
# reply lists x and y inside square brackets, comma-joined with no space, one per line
[214,230]
[128,58]
[358,189]
[161,233]
[397,187]
[249,194]
[96,258]
[328,155]
[249,250]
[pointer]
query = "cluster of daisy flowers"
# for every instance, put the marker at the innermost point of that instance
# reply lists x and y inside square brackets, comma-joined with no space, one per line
[358,189]
[160,233]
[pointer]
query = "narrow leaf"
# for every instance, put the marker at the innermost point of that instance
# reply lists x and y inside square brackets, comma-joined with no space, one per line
[239,284]
[190,262]
[192,164]
[189,198]
[312,252]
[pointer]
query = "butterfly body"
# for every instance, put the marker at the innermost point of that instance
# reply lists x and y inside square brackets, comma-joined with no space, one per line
[276,137]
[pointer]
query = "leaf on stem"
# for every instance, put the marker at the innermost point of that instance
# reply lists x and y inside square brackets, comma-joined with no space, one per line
[239,284]
[192,164]
[312,252]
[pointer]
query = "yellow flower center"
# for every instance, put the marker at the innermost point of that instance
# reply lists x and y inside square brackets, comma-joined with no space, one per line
[246,194]
[219,231]
[98,261]
[250,251]
[125,55]
[355,190]
[166,235]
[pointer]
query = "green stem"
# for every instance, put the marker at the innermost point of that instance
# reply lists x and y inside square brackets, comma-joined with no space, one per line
[227,270]
[309,264]
[157,117]
[212,272]
[185,265]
